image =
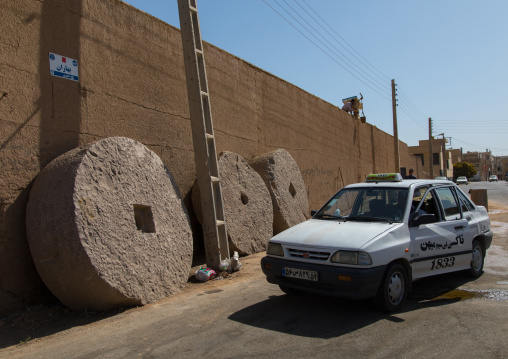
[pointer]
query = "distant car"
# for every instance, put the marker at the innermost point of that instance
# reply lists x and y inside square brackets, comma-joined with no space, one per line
[462,180]
[474,179]
[441,178]
[493,178]
[373,239]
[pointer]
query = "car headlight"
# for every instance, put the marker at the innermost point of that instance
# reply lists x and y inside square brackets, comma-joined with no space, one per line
[275,249]
[351,257]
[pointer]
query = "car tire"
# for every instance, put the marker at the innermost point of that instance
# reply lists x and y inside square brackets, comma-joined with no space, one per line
[392,292]
[289,290]
[477,260]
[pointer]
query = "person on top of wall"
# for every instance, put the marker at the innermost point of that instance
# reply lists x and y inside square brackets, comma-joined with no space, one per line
[349,106]
[410,175]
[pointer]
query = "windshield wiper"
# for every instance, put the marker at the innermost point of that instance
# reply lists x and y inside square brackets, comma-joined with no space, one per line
[328,216]
[366,218]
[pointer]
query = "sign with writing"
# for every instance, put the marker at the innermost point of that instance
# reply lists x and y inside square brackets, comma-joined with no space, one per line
[62,66]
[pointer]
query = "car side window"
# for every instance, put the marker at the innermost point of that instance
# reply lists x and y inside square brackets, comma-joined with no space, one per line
[429,205]
[448,202]
[467,206]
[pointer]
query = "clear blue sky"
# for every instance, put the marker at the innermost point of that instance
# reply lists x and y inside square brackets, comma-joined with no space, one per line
[449,58]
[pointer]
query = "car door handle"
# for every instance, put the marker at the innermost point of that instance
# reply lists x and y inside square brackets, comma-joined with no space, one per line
[459,227]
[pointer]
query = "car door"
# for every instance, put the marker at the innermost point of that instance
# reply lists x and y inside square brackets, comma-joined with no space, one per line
[445,245]
[476,219]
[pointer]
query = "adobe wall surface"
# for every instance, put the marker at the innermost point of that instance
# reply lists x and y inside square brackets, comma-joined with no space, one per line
[132,84]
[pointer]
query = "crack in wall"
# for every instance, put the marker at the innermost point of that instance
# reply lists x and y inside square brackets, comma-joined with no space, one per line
[136,104]
[18,69]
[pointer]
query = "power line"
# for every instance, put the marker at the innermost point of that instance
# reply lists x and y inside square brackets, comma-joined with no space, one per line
[478,146]
[320,48]
[383,76]
[411,104]
[343,58]
[384,80]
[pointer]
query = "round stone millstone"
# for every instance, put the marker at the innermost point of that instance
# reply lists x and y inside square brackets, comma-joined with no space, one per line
[248,209]
[284,180]
[107,228]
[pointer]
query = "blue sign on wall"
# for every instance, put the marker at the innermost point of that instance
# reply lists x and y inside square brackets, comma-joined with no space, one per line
[62,66]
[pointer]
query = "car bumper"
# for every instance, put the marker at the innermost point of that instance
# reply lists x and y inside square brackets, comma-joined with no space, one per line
[355,283]
[487,237]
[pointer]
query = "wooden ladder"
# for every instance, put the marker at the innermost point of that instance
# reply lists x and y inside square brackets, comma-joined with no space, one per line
[207,171]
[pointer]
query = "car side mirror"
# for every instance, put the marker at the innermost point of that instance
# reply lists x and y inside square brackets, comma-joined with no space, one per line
[423,219]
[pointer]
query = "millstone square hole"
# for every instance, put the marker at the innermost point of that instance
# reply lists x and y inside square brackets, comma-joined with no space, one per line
[292,189]
[245,198]
[144,218]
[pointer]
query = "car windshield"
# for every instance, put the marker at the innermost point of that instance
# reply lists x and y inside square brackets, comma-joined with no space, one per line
[366,204]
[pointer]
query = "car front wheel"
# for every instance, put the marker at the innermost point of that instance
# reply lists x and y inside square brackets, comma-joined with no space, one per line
[392,292]
[477,260]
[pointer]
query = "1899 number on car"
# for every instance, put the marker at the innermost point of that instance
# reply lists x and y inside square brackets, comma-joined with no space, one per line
[442,263]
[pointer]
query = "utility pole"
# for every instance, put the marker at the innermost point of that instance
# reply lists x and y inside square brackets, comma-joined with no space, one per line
[395,130]
[431,156]
[207,171]
[443,149]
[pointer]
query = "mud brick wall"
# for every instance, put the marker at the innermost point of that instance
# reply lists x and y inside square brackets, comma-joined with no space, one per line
[132,84]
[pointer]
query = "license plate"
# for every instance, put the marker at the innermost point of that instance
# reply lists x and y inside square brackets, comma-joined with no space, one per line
[300,273]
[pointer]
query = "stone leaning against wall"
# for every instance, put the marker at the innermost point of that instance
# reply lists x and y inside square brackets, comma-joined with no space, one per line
[284,181]
[107,228]
[247,205]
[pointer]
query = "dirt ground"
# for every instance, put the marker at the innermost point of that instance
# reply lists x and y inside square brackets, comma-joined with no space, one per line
[38,322]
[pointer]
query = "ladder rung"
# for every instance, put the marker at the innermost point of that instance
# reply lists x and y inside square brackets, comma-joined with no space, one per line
[209,137]
[215,179]
[220,223]
[199,52]
[193,9]
[204,94]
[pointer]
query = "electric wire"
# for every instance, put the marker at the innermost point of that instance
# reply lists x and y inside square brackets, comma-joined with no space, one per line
[343,58]
[383,82]
[322,50]
[411,104]
[376,71]
[363,70]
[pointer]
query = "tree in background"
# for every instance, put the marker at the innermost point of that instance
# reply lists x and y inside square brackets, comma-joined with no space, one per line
[463,169]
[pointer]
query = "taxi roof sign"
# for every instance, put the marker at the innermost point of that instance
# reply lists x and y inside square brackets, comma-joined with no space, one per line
[384,177]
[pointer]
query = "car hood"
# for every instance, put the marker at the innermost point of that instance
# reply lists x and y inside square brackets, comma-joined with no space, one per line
[333,233]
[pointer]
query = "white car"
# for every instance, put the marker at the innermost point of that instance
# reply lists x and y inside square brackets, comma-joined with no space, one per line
[493,178]
[373,239]
[462,180]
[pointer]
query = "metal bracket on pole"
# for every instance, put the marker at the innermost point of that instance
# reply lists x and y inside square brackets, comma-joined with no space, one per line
[207,171]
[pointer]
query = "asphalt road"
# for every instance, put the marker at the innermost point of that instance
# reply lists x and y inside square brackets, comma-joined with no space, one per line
[448,316]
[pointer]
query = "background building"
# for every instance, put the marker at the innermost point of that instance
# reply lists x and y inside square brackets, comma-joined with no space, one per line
[442,159]
[483,163]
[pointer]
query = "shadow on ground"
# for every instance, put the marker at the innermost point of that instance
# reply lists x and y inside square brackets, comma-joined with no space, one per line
[44,320]
[303,315]
[317,316]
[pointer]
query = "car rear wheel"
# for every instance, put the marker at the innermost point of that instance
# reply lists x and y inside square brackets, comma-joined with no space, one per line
[392,292]
[477,259]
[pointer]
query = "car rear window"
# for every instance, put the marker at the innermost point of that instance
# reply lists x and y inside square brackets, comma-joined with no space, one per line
[449,203]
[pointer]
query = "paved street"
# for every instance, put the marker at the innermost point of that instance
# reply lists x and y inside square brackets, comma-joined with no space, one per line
[449,316]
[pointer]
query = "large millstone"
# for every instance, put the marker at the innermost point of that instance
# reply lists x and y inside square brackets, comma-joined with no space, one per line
[107,227]
[247,205]
[285,182]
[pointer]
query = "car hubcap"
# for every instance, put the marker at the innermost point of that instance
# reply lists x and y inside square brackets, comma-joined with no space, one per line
[477,258]
[395,288]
